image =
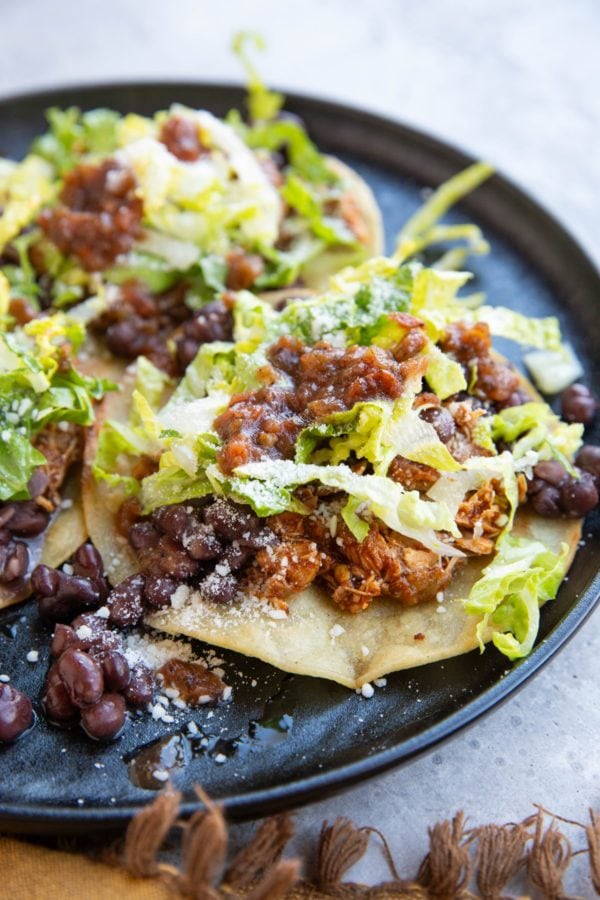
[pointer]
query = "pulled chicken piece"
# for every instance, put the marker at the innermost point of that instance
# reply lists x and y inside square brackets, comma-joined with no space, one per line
[384,564]
[62,446]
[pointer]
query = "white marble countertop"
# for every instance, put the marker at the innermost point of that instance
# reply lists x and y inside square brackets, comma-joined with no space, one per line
[515,81]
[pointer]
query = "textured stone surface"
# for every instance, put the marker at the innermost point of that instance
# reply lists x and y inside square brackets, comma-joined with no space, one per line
[516,81]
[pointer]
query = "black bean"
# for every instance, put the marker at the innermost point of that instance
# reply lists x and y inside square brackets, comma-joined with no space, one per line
[125,602]
[546,501]
[94,634]
[588,459]
[82,677]
[56,699]
[236,556]
[551,471]
[158,590]
[27,519]
[143,536]
[578,404]
[230,520]
[173,560]
[115,668]
[14,560]
[201,542]
[173,520]
[61,596]
[106,718]
[441,420]
[127,338]
[87,562]
[579,496]
[63,638]
[218,588]
[140,689]
[16,713]
[44,581]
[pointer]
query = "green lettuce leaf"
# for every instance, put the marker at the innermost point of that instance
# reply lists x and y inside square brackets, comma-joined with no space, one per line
[523,575]
[535,427]
[73,134]
[263,104]
[422,229]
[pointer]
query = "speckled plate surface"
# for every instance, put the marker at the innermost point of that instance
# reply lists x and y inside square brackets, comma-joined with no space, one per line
[286,739]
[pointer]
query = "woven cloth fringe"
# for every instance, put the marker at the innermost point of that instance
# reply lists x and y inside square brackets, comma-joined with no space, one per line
[462,863]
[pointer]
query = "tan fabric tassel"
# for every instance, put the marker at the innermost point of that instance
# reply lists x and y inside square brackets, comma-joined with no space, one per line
[146,834]
[204,847]
[549,859]
[592,833]
[500,854]
[341,845]
[446,870]
[254,861]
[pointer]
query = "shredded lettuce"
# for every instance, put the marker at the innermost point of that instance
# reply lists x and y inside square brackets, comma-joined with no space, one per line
[422,229]
[520,578]
[28,187]
[534,427]
[402,511]
[73,134]
[35,391]
[263,104]
[119,442]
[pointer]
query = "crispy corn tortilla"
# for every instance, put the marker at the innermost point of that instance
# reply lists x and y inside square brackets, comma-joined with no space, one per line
[385,638]
[317,272]
[64,535]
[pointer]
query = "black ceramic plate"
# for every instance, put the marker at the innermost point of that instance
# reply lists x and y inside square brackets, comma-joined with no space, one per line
[57,781]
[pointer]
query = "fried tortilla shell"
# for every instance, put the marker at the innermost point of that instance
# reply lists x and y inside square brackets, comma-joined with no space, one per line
[385,638]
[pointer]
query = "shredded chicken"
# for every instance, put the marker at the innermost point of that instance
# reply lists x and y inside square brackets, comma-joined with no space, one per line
[481,517]
[384,564]
[278,572]
[62,446]
[413,476]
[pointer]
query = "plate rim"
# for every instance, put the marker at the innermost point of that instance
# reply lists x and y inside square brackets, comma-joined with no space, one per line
[38,818]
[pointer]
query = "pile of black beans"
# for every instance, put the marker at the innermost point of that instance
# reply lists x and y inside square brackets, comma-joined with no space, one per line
[206,545]
[18,519]
[214,322]
[553,492]
[90,679]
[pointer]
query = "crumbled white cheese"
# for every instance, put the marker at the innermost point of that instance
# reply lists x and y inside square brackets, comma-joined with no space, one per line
[227,692]
[68,569]
[103,612]
[33,656]
[180,597]
[336,630]
[160,775]
[4,679]
[84,632]
[367,690]
[380,682]
[220,758]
